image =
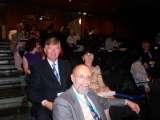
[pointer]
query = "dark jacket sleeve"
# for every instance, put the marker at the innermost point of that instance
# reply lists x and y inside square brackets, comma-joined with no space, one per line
[36,85]
[69,70]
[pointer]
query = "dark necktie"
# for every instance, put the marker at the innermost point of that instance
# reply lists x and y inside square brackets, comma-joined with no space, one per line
[56,73]
[92,110]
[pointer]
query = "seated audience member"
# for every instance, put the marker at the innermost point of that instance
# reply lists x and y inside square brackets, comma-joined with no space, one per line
[81,103]
[33,56]
[49,79]
[109,43]
[139,73]
[148,57]
[146,54]
[34,33]
[72,39]
[97,83]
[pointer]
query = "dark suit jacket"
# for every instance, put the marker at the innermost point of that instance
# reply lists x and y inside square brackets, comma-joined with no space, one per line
[67,107]
[145,56]
[43,83]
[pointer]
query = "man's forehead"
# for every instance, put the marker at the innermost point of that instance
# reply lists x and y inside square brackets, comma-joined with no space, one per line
[82,74]
[53,45]
[83,71]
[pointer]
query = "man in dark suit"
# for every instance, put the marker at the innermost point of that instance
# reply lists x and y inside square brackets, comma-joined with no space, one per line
[48,79]
[80,103]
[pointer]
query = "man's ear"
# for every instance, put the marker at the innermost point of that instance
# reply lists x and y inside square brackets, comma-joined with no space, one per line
[82,58]
[72,78]
[44,50]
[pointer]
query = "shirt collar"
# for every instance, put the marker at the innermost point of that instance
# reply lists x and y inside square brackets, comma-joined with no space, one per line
[78,94]
[51,62]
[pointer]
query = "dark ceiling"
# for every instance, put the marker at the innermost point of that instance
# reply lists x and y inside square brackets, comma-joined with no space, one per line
[92,6]
[141,15]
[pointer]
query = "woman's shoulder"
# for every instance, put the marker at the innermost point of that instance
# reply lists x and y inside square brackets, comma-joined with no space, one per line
[27,54]
[97,68]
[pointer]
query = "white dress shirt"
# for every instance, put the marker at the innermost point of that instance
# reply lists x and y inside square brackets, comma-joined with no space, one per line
[55,65]
[140,75]
[85,109]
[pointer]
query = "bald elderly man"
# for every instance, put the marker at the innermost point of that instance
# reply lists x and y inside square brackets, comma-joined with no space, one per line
[80,103]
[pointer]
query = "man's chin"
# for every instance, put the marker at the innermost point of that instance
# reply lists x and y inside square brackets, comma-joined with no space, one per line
[83,91]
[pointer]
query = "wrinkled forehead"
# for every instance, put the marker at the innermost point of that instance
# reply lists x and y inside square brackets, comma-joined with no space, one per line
[83,74]
[82,71]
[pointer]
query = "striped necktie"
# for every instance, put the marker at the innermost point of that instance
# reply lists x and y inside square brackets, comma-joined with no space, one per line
[56,73]
[92,110]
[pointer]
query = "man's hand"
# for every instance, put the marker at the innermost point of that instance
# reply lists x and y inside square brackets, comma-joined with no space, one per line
[135,107]
[47,104]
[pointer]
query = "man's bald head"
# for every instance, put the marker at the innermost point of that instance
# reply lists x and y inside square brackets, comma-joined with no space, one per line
[81,77]
[80,68]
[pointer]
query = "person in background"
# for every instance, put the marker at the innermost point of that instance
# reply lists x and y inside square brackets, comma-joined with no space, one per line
[98,86]
[34,33]
[72,39]
[18,47]
[81,103]
[148,57]
[49,79]
[97,83]
[139,74]
[109,43]
[21,39]
[33,55]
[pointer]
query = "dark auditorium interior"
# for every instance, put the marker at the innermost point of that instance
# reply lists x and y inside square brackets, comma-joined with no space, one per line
[117,31]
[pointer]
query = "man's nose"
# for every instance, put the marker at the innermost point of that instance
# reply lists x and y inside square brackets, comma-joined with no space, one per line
[86,81]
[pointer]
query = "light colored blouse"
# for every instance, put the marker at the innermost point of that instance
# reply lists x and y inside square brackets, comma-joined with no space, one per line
[97,80]
[140,75]
[97,84]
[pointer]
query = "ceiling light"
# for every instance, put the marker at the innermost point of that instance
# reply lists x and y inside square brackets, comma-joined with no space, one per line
[84,13]
[80,21]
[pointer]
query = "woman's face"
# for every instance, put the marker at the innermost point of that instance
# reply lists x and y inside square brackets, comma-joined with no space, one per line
[38,46]
[88,58]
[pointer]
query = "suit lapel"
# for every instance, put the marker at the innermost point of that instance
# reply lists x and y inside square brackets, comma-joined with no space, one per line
[76,105]
[48,71]
[99,108]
